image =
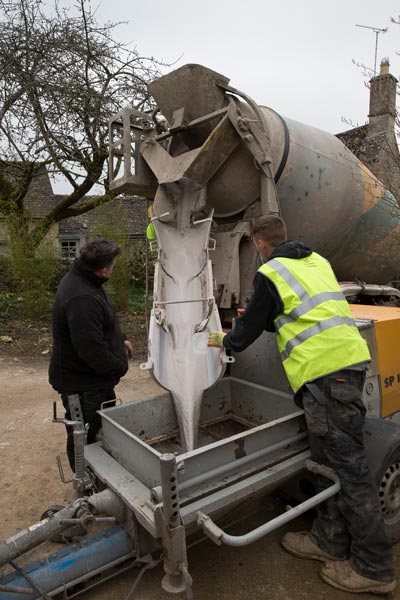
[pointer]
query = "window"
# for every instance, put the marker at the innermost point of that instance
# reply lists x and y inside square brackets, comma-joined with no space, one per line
[69,249]
[4,248]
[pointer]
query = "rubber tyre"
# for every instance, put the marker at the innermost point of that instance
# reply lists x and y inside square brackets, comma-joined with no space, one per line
[382,446]
[388,482]
[51,510]
[68,536]
[59,538]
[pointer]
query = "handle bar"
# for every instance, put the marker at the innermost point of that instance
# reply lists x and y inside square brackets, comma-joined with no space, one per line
[219,536]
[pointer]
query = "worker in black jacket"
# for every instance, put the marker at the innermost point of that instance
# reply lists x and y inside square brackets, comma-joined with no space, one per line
[90,354]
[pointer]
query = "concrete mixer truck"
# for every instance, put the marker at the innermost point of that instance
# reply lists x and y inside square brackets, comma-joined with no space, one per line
[213,160]
[225,431]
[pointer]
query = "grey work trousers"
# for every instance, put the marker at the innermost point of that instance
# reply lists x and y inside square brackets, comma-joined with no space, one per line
[349,524]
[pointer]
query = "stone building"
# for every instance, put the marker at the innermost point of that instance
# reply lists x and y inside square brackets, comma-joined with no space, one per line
[73,232]
[70,234]
[375,143]
[39,200]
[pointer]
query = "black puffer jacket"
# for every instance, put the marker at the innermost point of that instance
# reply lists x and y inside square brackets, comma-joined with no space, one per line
[88,345]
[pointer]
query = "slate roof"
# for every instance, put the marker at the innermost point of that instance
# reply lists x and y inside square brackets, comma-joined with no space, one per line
[39,198]
[366,147]
[80,226]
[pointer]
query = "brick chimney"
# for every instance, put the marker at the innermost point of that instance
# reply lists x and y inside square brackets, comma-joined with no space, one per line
[382,102]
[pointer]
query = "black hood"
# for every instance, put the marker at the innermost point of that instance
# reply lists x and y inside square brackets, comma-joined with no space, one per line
[291,249]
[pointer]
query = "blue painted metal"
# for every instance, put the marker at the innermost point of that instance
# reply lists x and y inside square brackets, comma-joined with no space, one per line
[71,563]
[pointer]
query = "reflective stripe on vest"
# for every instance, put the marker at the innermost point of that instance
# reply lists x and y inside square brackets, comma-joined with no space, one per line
[313,304]
[317,328]
[308,302]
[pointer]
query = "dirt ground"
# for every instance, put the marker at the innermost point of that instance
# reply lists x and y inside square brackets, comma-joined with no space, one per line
[29,483]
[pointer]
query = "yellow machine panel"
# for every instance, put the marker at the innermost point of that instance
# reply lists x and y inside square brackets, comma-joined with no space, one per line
[386,325]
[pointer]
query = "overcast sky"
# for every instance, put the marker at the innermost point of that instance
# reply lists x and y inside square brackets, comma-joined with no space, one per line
[295,56]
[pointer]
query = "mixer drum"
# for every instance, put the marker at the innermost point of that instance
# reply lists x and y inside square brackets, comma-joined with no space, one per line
[328,198]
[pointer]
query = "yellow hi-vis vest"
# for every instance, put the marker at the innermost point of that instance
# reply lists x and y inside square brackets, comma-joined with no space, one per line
[316,332]
[150,232]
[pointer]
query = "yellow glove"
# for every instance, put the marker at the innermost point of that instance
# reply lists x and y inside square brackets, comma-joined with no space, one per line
[216,339]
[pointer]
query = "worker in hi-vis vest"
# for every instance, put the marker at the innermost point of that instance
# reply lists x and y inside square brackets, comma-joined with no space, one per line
[296,294]
[150,231]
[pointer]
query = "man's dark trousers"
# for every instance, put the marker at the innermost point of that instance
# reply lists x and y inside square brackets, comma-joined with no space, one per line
[349,524]
[90,403]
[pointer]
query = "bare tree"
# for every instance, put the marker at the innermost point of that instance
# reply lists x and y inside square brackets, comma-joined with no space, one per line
[62,76]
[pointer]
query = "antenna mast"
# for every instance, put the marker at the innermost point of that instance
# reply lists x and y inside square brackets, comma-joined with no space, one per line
[377,32]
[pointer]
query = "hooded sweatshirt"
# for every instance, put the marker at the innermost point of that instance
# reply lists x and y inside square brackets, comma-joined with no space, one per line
[265,303]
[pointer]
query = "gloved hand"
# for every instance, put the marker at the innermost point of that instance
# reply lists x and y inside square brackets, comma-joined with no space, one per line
[215,339]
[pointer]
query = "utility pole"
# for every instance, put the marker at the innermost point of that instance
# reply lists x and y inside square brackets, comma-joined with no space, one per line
[377,32]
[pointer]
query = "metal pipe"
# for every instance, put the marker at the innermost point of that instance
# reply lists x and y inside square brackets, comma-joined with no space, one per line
[156,492]
[161,302]
[169,483]
[98,520]
[368,289]
[218,536]
[36,534]
[98,556]
[12,589]
[104,502]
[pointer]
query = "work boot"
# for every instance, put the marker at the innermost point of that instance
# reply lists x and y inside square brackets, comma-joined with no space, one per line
[301,545]
[341,575]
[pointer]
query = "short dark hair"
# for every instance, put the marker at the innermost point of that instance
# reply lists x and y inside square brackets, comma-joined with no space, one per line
[271,229]
[98,254]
